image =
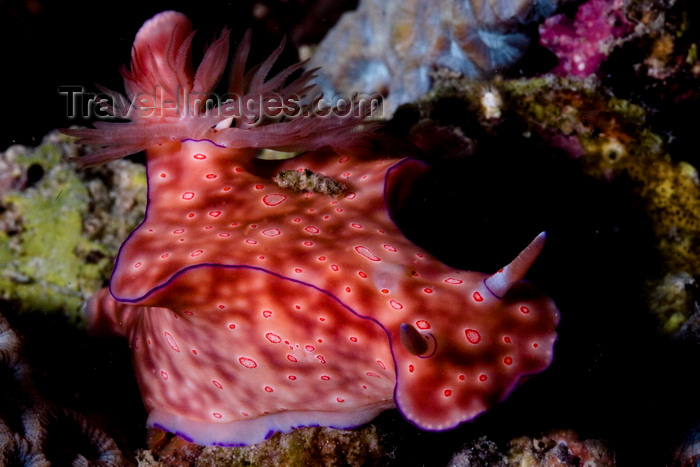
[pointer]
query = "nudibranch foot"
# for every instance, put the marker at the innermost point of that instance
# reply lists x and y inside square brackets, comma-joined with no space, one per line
[247,432]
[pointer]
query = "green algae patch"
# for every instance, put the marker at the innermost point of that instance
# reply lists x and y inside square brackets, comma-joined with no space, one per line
[51,260]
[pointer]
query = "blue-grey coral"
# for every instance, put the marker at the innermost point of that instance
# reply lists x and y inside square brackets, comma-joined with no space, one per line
[390,47]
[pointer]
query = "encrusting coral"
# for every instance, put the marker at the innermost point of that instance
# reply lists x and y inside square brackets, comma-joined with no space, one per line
[33,431]
[583,43]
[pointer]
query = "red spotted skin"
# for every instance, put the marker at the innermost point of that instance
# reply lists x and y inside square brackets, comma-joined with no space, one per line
[284,308]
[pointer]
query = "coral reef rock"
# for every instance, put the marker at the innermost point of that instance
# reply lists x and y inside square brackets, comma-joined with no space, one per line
[659,68]
[310,446]
[613,141]
[560,448]
[610,140]
[35,432]
[58,237]
[390,47]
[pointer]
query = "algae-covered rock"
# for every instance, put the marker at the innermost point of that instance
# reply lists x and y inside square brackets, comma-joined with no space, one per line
[60,227]
[659,68]
[613,142]
[609,140]
[308,447]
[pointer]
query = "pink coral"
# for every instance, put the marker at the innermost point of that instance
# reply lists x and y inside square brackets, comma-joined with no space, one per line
[583,43]
[252,309]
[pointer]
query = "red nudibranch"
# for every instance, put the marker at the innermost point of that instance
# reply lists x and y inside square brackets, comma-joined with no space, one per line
[252,309]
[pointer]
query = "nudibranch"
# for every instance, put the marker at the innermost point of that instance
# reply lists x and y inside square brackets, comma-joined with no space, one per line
[251,308]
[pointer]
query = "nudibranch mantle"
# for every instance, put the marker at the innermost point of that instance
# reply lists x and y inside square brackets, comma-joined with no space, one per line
[252,309]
